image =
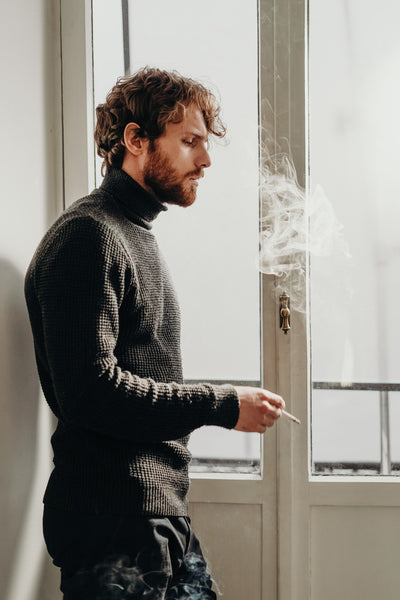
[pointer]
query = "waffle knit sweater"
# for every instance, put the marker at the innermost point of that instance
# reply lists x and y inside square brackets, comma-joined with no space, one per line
[106,329]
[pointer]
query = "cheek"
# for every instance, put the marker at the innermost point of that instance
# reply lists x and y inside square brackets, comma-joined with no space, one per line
[180,164]
[187,161]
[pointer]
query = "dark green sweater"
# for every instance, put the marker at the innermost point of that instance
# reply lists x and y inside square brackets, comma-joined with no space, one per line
[106,329]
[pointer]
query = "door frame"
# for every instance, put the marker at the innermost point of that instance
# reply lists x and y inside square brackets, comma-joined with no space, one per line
[285,493]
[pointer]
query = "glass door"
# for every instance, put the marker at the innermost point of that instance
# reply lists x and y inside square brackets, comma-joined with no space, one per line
[323,78]
[338,498]
[212,248]
[354,83]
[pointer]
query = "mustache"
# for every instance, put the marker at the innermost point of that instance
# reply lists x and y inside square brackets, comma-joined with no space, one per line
[196,173]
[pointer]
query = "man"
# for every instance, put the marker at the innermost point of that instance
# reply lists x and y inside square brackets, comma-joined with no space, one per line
[106,328]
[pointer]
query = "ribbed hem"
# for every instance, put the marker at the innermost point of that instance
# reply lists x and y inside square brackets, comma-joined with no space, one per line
[111,497]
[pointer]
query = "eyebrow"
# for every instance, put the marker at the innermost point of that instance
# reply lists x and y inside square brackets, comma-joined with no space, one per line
[196,134]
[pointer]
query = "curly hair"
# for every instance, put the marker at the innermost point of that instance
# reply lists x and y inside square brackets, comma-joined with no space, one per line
[151,98]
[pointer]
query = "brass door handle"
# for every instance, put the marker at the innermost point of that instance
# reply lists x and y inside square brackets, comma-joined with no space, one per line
[284,312]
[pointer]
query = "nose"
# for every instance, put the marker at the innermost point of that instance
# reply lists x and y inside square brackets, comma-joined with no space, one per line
[203,159]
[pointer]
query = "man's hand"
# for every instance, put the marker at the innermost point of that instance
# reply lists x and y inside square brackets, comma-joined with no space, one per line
[259,409]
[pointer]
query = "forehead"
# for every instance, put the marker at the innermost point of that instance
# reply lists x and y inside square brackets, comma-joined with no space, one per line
[192,123]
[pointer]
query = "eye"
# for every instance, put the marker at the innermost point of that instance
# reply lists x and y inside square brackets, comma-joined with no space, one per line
[188,142]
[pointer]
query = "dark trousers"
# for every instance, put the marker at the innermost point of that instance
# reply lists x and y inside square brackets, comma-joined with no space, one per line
[107,557]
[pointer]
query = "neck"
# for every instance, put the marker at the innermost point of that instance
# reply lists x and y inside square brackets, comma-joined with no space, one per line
[134,167]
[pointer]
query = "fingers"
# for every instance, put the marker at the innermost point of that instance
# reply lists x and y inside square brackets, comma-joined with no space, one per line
[259,409]
[272,406]
[268,419]
[270,412]
[265,424]
[273,399]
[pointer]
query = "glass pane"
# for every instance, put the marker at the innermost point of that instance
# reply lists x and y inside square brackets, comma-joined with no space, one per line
[346,431]
[354,92]
[212,247]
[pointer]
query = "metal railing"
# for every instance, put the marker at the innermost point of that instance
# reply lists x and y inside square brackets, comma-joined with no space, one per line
[385,466]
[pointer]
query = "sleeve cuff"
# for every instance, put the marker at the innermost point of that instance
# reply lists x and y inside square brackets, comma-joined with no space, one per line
[225,410]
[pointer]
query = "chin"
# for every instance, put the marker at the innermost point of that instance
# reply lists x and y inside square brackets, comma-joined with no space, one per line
[185,203]
[183,200]
[189,201]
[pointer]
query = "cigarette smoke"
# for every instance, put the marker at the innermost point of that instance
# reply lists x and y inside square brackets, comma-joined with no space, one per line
[294,224]
[119,579]
[197,582]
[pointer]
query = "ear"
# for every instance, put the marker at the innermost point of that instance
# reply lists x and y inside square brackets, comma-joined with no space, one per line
[133,142]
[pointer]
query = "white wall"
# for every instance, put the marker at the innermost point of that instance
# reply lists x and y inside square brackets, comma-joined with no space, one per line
[30,193]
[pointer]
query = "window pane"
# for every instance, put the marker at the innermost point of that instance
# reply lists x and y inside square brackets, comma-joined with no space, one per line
[211,247]
[340,417]
[354,90]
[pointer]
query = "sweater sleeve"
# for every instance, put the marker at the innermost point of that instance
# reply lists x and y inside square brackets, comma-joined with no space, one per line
[80,284]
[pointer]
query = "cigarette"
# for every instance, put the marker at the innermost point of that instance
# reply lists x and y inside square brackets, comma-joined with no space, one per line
[291,417]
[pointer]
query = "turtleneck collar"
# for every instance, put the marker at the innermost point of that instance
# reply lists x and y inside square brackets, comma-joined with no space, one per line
[137,204]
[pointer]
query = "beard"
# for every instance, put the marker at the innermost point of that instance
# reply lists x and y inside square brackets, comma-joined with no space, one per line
[165,182]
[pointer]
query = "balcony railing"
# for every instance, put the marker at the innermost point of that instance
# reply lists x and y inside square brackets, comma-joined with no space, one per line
[384,467]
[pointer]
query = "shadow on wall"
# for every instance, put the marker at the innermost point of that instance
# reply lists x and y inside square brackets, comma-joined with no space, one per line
[19,402]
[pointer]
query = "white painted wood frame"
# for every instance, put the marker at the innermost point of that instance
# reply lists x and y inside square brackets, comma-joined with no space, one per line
[285,534]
